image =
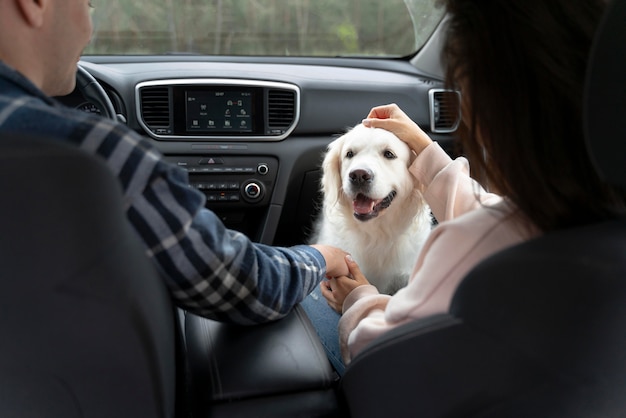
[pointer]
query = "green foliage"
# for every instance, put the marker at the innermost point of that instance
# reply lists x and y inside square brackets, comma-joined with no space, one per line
[262,27]
[349,37]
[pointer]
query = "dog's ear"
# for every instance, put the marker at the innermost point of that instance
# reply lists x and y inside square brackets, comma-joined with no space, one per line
[331,171]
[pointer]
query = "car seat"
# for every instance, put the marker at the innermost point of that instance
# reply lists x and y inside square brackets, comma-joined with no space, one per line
[535,330]
[87,327]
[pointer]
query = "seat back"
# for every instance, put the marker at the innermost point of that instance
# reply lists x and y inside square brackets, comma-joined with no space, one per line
[535,330]
[87,325]
[605,97]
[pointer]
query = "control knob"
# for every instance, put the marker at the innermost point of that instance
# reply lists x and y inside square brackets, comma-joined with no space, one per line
[253,191]
[262,169]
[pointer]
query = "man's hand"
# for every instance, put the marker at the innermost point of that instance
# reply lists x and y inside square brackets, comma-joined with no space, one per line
[335,260]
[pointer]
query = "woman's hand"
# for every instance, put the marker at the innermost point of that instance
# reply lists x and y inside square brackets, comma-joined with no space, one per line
[393,119]
[336,289]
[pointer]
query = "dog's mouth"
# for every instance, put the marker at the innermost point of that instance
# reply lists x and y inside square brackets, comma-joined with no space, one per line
[366,208]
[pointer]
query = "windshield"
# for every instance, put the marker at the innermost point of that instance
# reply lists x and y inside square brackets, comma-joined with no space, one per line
[323,28]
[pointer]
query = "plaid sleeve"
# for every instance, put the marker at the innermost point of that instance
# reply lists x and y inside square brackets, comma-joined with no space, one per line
[211,270]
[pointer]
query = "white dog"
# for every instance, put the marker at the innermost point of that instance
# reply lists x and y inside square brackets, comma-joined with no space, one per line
[372,206]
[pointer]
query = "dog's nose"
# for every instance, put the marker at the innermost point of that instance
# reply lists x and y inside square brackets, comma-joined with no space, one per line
[361,176]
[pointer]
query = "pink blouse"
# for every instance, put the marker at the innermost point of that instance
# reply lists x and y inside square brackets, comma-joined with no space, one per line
[473,224]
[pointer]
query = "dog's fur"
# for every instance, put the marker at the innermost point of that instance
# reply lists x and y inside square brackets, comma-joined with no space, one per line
[372,207]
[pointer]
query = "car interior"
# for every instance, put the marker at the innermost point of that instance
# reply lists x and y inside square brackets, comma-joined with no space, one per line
[89,329]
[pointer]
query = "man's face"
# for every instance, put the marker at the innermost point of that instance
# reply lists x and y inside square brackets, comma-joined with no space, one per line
[70,30]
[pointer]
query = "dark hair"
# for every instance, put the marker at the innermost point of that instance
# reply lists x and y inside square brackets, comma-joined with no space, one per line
[520,67]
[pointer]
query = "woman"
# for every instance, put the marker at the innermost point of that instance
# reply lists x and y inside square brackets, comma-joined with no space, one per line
[520,67]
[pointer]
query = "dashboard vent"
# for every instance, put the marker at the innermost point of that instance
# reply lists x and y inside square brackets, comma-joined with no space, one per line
[281,108]
[445,110]
[155,108]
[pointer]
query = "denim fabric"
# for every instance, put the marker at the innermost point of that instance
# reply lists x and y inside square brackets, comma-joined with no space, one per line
[326,321]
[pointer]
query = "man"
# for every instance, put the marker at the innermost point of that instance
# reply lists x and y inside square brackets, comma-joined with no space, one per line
[211,271]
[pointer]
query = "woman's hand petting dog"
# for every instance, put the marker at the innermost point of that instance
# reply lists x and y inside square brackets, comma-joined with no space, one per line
[336,289]
[393,119]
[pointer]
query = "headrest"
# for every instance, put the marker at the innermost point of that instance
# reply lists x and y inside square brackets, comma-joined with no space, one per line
[604,111]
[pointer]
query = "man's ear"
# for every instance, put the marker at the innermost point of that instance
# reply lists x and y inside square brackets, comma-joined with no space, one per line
[32,11]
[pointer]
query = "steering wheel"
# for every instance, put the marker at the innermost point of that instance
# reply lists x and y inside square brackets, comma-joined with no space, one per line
[94,92]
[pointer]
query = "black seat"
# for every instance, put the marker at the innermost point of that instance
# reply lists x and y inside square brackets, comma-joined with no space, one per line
[87,327]
[535,330]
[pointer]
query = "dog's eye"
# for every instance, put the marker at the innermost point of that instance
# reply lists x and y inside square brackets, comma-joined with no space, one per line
[349,154]
[389,155]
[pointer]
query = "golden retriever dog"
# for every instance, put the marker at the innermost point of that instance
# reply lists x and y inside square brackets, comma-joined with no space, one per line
[372,207]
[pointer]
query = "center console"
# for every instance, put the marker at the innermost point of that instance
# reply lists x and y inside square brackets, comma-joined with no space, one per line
[220,117]
[237,188]
[277,369]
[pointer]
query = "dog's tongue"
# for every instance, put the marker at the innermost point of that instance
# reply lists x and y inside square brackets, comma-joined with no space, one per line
[363,205]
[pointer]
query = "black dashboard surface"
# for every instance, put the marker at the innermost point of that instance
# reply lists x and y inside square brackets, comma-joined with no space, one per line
[275,206]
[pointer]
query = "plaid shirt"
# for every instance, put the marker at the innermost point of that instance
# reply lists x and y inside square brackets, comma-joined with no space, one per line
[210,270]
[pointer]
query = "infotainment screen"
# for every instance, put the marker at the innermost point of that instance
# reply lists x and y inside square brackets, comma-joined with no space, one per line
[219,111]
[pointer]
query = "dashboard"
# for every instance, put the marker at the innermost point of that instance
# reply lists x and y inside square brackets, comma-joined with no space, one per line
[251,132]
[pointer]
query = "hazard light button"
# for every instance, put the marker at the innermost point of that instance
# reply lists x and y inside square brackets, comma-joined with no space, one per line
[211,161]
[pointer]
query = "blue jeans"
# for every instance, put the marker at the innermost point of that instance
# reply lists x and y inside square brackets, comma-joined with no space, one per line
[326,321]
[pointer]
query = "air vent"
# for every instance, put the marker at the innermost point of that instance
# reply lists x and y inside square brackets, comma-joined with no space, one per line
[155,108]
[281,108]
[445,110]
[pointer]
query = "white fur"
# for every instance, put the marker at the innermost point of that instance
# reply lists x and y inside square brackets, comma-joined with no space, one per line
[385,246]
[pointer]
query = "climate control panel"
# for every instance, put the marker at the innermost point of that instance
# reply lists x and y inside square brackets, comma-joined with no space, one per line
[227,181]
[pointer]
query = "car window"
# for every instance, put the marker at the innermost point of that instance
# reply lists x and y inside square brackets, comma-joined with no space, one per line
[322,28]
